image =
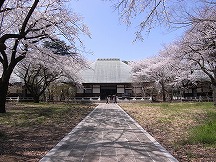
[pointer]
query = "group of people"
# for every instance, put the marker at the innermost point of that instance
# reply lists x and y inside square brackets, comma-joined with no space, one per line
[113,98]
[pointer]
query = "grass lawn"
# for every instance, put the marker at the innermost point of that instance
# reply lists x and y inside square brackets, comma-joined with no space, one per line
[187,130]
[28,130]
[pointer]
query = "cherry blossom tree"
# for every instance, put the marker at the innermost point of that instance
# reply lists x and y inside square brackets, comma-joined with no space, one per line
[193,56]
[148,14]
[45,67]
[24,24]
[185,76]
[157,70]
[168,72]
[198,47]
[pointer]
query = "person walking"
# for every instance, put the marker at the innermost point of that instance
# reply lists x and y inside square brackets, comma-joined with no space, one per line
[107,100]
[115,98]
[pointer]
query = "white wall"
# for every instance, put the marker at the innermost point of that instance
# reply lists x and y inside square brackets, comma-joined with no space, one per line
[120,88]
[96,88]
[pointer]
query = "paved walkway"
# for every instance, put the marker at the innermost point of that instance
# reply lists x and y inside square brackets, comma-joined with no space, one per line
[108,134]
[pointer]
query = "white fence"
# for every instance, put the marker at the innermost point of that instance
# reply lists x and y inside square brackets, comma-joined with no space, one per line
[19,99]
[198,98]
[119,99]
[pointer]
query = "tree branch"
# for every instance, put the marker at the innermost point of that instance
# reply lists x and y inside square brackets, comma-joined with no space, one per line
[1,3]
[6,9]
[8,36]
[1,60]
[4,60]
[25,22]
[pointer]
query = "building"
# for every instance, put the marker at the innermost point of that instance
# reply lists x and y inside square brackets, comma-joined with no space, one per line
[199,90]
[106,77]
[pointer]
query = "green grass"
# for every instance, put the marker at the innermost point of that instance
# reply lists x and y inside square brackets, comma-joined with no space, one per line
[183,105]
[204,113]
[184,109]
[206,132]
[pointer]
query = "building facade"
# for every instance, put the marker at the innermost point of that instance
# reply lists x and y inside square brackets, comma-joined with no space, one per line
[106,77]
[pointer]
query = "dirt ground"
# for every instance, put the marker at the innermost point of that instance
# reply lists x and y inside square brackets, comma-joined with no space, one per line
[23,143]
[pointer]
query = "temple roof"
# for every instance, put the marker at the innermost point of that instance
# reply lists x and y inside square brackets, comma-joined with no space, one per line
[107,71]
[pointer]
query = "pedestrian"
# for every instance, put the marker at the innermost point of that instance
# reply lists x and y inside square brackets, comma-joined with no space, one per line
[107,100]
[115,98]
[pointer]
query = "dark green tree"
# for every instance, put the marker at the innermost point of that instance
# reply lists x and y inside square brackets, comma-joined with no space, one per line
[58,47]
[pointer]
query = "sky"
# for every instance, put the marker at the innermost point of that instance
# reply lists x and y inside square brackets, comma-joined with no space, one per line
[111,38]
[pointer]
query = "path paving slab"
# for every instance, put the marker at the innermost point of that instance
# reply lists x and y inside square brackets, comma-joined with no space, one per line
[108,134]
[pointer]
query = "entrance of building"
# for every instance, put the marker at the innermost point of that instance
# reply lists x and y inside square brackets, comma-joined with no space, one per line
[107,90]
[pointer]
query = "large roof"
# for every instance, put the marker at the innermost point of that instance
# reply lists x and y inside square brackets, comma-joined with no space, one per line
[107,71]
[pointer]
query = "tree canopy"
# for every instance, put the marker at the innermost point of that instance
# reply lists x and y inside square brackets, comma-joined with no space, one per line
[191,58]
[25,25]
[148,14]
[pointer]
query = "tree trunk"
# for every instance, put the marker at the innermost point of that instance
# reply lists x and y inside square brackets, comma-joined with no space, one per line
[3,95]
[171,95]
[163,92]
[214,93]
[36,99]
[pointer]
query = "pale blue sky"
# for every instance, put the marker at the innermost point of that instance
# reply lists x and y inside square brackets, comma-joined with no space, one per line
[113,39]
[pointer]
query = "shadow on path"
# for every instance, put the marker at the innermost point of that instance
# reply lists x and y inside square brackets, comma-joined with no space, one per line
[108,134]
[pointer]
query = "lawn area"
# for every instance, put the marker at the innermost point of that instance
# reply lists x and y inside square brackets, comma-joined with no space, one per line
[28,131]
[187,130]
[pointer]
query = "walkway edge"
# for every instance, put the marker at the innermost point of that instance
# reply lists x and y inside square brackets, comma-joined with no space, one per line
[63,141]
[152,139]
[46,157]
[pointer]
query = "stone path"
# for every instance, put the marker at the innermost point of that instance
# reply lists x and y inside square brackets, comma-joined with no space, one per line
[108,134]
